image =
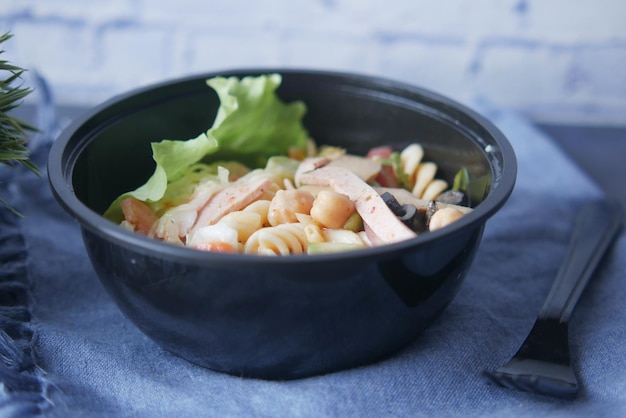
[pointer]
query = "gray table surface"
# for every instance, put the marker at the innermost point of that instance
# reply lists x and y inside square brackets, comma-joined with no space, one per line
[599,150]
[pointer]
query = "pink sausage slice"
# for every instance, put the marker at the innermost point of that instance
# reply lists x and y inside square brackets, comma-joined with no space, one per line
[230,199]
[377,216]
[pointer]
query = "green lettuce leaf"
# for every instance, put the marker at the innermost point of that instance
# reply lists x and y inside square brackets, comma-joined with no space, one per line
[251,125]
[172,158]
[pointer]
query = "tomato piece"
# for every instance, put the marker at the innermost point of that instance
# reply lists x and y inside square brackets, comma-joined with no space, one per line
[387,177]
[138,214]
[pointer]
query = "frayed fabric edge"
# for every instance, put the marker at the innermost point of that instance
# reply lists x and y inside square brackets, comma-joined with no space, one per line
[23,385]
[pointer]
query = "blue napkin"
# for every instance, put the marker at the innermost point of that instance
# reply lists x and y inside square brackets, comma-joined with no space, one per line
[68,351]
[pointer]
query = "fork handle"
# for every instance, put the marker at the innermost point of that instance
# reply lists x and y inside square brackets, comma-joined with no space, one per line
[596,225]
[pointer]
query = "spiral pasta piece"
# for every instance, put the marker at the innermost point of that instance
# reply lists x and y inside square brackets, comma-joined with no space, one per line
[410,157]
[424,174]
[283,239]
[434,189]
[421,174]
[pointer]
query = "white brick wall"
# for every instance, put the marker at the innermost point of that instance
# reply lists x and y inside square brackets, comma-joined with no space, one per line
[559,60]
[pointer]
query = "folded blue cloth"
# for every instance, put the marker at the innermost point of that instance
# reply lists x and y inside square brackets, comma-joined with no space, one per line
[79,356]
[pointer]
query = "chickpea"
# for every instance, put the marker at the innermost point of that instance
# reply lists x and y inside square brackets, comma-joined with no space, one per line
[285,205]
[331,209]
[444,217]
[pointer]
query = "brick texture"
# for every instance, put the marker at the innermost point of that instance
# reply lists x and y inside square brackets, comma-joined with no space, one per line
[553,60]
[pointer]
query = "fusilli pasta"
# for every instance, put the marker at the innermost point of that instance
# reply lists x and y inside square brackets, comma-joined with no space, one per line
[421,174]
[283,239]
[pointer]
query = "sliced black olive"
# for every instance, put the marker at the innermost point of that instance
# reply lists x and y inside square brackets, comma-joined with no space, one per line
[408,214]
[413,218]
[393,204]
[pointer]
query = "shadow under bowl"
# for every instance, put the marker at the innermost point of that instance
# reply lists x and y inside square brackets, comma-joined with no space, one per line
[280,317]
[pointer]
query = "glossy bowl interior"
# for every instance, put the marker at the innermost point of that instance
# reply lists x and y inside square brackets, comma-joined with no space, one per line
[279,317]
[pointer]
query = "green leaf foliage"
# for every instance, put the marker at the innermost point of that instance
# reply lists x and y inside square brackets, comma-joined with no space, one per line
[13,131]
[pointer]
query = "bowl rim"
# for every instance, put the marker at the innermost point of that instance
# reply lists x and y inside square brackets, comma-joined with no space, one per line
[60,180]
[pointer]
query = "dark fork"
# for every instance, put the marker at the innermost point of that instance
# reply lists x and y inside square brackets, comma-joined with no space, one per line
[542,364]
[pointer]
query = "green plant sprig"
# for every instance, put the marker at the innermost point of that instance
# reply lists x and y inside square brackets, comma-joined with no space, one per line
[13,131]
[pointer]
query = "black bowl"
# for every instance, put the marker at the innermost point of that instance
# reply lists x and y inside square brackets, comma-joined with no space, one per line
[279,317]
